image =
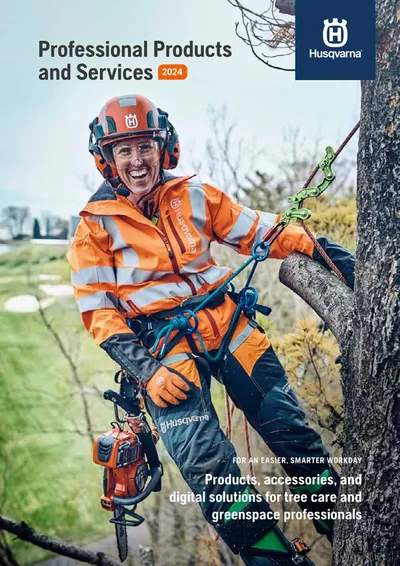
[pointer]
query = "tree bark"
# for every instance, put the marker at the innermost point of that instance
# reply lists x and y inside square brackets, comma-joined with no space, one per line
[371,371]
[286,7]
[146,556]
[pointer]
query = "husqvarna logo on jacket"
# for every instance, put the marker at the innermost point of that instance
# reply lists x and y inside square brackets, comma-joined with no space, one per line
[176,206]
[172,423]
[335,33]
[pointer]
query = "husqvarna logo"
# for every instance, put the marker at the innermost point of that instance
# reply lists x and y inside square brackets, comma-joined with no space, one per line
[131,121]
[166,425]
[335,33]
[176,206]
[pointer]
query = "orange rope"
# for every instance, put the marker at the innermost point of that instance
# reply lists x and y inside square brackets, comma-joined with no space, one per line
[322,251]
[228,430]
[229,414]
[248,445]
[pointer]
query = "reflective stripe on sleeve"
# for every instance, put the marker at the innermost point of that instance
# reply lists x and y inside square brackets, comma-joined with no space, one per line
[97,219]
[242,226]
[175,358]
[267,220]
[96,301]
[95,274]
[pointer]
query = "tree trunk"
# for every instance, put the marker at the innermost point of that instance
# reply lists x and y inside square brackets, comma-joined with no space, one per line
[371,371]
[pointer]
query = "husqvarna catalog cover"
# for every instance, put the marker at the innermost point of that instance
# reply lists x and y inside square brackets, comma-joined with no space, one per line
[199,280]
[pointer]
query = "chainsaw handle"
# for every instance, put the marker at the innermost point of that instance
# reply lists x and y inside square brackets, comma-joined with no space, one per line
[155,474]
[129,405]
[149,448]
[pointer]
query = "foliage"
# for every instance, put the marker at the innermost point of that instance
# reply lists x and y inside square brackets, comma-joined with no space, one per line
[36,228]
[309,357]
[262,192]
[335,220]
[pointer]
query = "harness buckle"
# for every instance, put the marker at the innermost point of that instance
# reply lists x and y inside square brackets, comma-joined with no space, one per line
[300,546]
[192,302]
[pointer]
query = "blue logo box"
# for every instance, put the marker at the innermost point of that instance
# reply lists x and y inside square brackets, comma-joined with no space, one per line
[335,40]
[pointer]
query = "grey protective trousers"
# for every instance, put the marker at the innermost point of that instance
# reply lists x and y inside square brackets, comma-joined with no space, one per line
[193,437]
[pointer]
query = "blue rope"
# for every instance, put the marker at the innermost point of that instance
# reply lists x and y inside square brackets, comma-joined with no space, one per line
[248,297]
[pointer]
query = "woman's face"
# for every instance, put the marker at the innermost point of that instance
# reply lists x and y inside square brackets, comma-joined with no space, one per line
[138,164]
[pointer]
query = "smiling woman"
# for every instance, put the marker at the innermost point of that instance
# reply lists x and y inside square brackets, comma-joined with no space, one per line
[138,165]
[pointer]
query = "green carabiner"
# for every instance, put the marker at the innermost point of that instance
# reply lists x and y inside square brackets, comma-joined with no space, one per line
[295,211]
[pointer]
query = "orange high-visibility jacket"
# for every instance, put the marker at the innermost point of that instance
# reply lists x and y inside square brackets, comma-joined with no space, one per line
[123,265]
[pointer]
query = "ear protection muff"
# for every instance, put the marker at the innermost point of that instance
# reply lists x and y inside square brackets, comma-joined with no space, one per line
[172,149]
[107,170]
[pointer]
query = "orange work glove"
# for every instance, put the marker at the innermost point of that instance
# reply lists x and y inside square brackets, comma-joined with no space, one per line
[166,386]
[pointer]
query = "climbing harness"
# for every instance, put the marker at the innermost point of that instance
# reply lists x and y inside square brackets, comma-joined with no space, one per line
[187,321]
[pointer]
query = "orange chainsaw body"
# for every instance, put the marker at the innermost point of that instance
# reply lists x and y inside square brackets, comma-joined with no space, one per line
[126,471]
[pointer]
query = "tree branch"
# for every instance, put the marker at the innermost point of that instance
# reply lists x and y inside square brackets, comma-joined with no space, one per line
[331,299]
[286,7]
[74,369]
[25,532]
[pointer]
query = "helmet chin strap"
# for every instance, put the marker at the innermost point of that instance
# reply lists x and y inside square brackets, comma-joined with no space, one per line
[160,182]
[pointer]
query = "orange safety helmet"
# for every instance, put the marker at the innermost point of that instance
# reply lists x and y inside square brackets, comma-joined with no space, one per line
[128,116]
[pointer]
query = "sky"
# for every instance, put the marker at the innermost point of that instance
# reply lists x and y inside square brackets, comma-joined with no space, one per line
[44,153]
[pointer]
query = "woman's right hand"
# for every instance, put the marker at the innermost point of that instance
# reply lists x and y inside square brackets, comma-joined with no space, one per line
[167,387]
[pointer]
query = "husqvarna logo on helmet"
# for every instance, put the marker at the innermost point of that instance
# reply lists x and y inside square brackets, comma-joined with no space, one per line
[335,33]
[131,121]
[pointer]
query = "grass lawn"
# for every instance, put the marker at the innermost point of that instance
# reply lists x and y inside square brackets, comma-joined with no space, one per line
[47,477]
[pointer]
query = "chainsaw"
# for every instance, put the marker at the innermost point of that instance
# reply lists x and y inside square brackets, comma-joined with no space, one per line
[132,469]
